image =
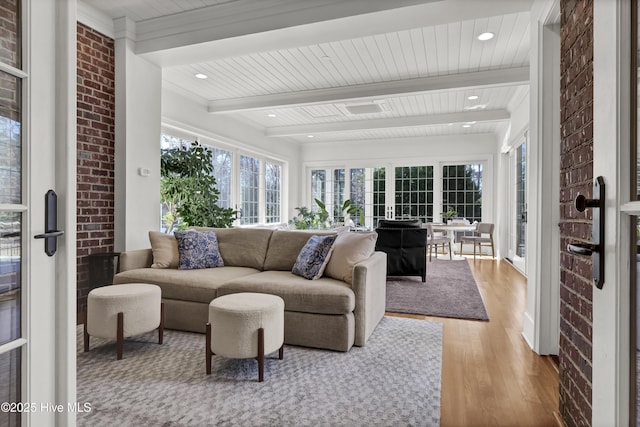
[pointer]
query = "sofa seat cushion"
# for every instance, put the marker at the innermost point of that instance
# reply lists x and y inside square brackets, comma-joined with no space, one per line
[322,296]
[187,285]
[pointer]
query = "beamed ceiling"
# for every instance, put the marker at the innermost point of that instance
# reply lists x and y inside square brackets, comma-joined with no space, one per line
[339,70]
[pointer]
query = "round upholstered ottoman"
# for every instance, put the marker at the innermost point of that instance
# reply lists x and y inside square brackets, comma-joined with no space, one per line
[245,325]
[120,311]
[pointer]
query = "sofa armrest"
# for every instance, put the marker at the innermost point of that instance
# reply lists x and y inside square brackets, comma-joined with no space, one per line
[370,288]
[141,258]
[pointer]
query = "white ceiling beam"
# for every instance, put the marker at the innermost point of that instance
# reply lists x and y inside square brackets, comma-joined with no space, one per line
[396,122]
[241,27]
[479,79]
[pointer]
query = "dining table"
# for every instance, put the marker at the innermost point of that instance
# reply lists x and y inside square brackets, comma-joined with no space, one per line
[451,230]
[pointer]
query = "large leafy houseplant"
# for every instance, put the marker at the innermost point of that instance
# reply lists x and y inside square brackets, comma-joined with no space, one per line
[188,189]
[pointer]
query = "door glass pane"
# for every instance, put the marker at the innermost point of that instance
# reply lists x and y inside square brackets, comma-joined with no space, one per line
[462,191]
[10,276]
[10,48]
[10,131]
[357,195]
[10,386]
[249,189]
[338,194]
[414,193]
[521,207]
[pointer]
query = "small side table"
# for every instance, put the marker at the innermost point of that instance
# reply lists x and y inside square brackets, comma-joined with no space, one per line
[102,267]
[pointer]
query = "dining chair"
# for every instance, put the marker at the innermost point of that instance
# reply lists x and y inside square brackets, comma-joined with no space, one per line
[435,239]
[482,235]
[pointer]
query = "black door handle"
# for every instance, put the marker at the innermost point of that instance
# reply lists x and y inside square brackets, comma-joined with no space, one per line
[582,248]
[595,249]
[51,233]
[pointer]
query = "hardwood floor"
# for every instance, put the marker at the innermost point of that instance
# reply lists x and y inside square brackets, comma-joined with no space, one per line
[490,376]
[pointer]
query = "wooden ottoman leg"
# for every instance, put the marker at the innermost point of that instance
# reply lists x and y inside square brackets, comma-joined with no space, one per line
[86,337]
[260,355]
[208,352]
[281,352]
[161,327]
[120,335]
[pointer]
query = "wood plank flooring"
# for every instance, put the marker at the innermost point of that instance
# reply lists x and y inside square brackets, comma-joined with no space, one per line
[490,376]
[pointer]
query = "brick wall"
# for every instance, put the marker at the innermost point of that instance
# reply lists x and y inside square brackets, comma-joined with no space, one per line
[576,177]
[96,112]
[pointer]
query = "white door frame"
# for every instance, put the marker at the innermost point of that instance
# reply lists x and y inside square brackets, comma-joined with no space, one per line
[611,148]
[541,319]
[49,317]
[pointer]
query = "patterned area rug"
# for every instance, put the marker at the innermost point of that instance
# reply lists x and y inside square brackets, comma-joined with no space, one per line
[449,291]
[393,381]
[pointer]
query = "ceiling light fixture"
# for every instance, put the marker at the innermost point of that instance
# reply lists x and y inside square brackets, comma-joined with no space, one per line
[485,36]
[466,126]
[310,136]
[271,115]
[200,76]
[472,97]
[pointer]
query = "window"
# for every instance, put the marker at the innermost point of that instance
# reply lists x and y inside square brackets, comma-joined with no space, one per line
[357,194]
[462,190]
[222,161]
[257,195]
[249,190]
[318,186]
[338,194]
[414,192]
[272,175]
[379,199]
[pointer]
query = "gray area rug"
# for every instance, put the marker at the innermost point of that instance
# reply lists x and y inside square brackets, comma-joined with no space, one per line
[393,381]
[449,291]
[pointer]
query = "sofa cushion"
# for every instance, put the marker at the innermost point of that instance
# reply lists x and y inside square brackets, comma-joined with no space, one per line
[165,250]
[322,296]
[285,246]
[313,257]
[242,247]
[186,285]
[198,249]
[348,250]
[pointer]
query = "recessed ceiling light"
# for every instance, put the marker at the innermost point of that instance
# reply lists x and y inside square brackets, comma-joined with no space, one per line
[471,123]
[485,36]
[472,97]
[310,136]
[466,126]
[271,115]
[201,76]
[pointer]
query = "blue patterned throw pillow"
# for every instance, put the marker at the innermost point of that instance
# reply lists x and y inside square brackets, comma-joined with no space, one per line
[198,249]
[314,256]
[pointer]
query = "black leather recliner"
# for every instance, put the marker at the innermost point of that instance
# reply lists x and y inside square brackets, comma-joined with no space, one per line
[404,241]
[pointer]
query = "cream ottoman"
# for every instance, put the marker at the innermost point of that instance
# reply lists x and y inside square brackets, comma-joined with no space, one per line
[245,325]
[120,311]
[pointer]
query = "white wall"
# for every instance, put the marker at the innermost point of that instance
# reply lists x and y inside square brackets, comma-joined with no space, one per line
[137,125]
[191,118]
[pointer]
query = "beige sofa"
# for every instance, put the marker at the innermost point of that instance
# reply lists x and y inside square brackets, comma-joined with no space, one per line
[337,311]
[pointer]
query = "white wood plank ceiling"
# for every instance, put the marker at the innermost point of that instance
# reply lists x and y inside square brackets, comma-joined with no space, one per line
[420,78]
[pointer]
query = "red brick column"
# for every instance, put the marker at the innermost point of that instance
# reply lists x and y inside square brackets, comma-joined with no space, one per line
[576,177]
[95,145]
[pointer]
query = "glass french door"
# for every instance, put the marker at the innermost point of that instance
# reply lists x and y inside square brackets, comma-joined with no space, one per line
[12,215]
[518,208]
[37,153]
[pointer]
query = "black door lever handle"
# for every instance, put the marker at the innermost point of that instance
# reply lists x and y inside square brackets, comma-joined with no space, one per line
[583,248]
[595,249]
[52,233]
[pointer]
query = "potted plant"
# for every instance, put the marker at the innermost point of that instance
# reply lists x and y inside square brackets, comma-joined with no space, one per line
[449,214]
[188,190]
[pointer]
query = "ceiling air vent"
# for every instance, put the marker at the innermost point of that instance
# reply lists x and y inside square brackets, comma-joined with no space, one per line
[375,107]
